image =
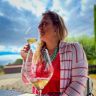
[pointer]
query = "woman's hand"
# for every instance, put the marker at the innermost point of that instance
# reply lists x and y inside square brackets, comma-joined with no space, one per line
[24,52]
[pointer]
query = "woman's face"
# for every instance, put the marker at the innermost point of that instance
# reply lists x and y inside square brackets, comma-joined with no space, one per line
[47,29]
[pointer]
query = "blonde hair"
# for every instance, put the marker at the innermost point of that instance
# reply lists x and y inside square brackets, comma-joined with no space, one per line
[61,32]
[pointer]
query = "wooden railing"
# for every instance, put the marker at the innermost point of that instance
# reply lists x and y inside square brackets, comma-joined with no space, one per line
[17,69]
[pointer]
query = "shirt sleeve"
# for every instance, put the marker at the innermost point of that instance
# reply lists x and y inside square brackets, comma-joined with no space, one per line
[79,72]
[26,71]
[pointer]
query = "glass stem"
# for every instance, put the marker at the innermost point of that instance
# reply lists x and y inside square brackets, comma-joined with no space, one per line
[40,92]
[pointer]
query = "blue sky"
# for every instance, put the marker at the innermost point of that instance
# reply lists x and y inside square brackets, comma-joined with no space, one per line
[19,20]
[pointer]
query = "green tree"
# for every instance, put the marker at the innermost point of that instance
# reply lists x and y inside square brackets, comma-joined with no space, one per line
[95,25]
[18,61]
[1,66]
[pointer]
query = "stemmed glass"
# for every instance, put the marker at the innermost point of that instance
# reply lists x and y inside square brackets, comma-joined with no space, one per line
[41,72]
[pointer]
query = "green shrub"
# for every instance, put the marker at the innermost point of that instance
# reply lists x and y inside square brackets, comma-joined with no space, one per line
[88,45]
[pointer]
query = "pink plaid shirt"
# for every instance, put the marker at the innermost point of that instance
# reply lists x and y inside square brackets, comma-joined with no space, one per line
[73,69]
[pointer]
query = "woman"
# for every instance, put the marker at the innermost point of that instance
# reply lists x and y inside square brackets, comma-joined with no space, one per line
[69,62]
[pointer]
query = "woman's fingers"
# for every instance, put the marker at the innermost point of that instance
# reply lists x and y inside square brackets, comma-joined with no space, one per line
[24,52]
[26,48]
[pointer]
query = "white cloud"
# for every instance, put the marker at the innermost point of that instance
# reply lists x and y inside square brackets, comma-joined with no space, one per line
[14,49]
[10,48]
[2,47]
[58,8]
[1,14]
[81,30]
[66,9]
[68,2]
[9,57]
[87,5]
[83,6]
[5,59]
[34,6]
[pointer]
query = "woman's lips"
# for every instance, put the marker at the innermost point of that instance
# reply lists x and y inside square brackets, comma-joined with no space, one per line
[42,33]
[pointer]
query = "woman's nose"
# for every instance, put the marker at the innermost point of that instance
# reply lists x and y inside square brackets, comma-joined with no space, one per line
[40,26]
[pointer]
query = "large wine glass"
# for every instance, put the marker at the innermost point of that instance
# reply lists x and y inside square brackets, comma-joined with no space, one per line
[41,72]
